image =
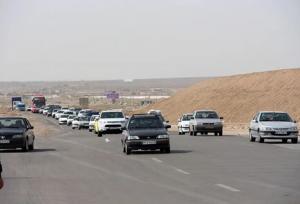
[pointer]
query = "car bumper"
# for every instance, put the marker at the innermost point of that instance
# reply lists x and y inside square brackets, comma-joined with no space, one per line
[13,144]
[272,135]
[209,128]
[139,144]
[185,129]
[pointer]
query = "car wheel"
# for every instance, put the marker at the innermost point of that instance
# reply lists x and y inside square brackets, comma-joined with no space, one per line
[252,139]
[79,128]
[127,150]
[261,140]
[90,130]
[284,140]
[191,132]
[73,128]
[221,133]
[194,132]
[99,134]
[183,133]
[25,146]
[168,150]
[295,140]
[216,134]
[31,147]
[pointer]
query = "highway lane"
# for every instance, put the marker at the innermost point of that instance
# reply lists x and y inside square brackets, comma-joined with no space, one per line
[79,167]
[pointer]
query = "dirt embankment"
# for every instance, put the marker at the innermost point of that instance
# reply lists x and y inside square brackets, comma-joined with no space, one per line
[237,98]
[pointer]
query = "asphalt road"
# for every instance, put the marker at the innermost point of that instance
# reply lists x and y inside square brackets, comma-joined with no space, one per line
[77,167]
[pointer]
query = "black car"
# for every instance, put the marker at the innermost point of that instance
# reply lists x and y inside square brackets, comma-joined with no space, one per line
[16,132]
[145,132]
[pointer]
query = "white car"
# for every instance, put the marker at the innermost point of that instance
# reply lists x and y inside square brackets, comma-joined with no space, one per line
[63,119]
[273,125]
[184,123]
[92,122]
[70,119]
[206,121]
[111,121]
[75,123]
[83,112]
[58,114]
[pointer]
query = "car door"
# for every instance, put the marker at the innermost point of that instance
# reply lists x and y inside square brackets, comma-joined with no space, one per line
[254,125]
[29,133]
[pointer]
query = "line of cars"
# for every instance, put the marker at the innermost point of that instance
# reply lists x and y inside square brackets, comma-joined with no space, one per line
[139,132]
[264,125]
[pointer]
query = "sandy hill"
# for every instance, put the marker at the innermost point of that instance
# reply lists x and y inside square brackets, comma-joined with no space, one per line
[238,98]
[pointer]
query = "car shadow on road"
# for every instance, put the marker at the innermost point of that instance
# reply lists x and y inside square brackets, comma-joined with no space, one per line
[33,151]
[175,151]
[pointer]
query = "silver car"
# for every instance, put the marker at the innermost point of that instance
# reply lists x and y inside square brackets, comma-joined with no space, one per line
[206,121]
[273,125]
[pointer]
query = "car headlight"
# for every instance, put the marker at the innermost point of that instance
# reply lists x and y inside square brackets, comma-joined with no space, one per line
[293,129]
[17,136]
[133,138]
[266,129]
[162,136]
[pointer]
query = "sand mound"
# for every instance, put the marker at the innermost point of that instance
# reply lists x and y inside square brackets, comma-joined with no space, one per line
[238,98]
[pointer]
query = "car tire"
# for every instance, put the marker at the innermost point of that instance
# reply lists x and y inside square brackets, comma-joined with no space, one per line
[252,139]
[25,147]
[127,150]
[183,133]
[284,140]
[295,140]
[221,133]
[31,147]
[191,132]
[99,134]
[90,130]
[261,140]
[168,150]
[79,128]
[194,132]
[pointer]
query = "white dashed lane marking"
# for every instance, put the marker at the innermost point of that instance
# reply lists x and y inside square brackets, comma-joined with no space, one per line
[157,160]
[228,187]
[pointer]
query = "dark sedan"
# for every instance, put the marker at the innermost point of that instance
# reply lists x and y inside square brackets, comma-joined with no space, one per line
[145,132]
[16,132]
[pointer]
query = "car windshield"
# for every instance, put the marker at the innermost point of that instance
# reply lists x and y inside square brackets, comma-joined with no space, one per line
[12,123]
[84,119]
[60,112]
[187,117]
[64,116]
[206,115]
[71,117]
[112,115]
[145,123]
[275,117]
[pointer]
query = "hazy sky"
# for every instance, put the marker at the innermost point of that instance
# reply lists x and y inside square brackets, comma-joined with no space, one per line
[126,39]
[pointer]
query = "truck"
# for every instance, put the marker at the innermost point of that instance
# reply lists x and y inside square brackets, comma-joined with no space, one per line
[38,102]
[14,101]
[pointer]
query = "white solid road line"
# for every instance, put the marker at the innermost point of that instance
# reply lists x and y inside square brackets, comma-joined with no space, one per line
[107,140]
[228,188]
[182,171]
[157,160]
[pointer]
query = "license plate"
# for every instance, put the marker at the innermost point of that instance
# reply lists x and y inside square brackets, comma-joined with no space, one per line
[151,142]
[281,132]
[4,141]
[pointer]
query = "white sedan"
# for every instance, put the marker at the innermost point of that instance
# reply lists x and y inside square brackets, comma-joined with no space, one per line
[273,125]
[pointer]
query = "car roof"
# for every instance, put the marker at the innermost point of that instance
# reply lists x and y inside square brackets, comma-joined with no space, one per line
[144,115]
[272,112]
[11,117]
[205,110]
[113,110]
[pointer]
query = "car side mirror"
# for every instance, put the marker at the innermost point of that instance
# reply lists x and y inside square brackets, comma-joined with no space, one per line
[167,126]
[167,121]
[221,118]
[30,127]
